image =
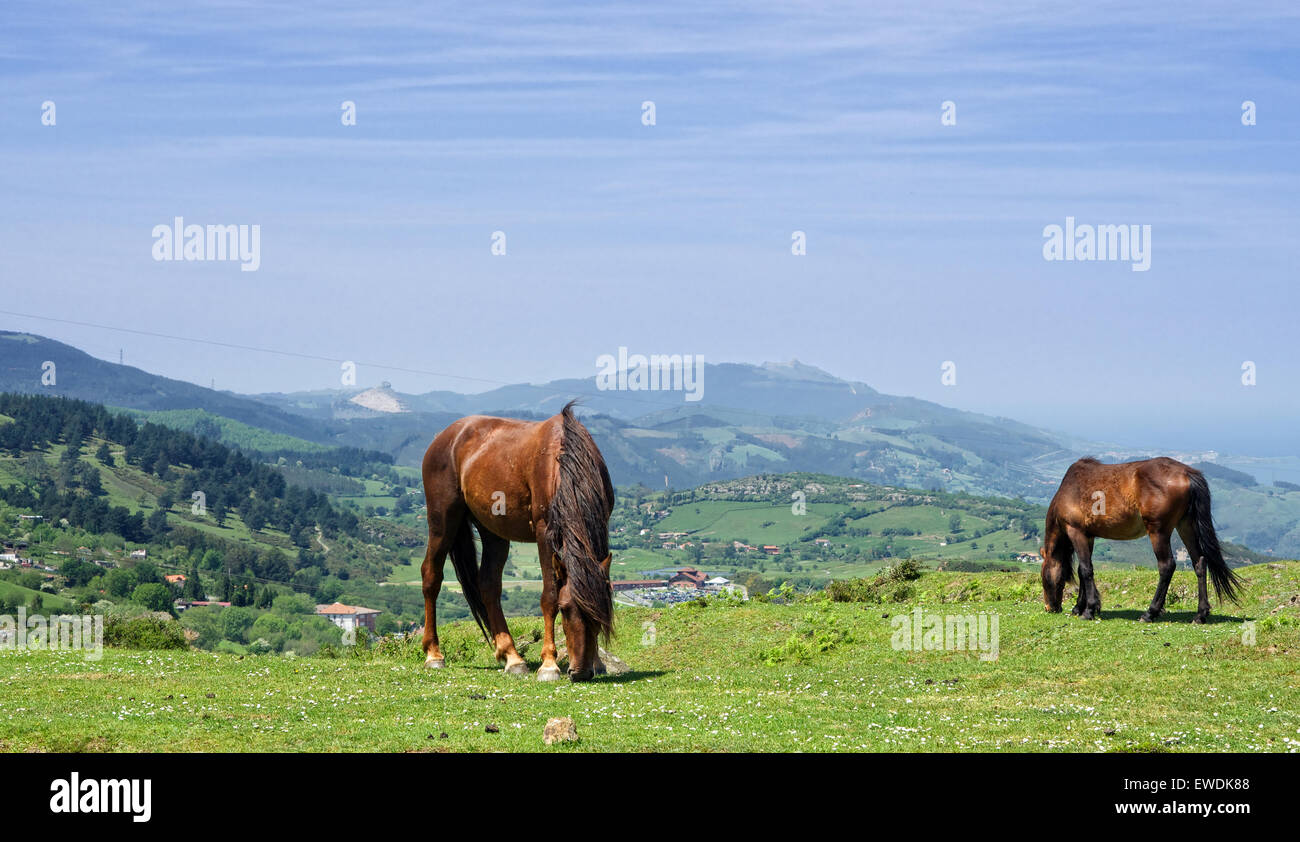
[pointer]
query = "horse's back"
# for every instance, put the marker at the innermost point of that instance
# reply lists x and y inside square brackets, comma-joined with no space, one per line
[501,468]
[1119,501]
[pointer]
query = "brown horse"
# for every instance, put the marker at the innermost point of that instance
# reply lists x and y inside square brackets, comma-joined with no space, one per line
[517,480]
[1152,497]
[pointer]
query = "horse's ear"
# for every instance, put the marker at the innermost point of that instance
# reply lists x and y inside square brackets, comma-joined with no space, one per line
[604,565]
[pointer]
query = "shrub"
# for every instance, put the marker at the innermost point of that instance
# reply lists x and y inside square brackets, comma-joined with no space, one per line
[153,596]
[816,634]
[893,584]
[148,632]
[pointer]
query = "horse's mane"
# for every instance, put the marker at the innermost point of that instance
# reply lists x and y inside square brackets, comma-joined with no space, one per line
[578,526]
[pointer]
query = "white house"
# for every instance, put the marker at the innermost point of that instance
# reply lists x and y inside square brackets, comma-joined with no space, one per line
[348,617]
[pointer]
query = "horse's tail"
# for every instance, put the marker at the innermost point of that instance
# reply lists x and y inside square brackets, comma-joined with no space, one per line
[464,558]
[578,521]
[1226,583]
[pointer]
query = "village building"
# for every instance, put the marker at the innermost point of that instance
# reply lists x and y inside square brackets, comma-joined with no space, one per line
[687,577]
[637,584]
[348,617]
[182,604]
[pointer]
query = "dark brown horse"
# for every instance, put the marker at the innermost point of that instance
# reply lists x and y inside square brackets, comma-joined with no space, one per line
[512,480]
[1152,497]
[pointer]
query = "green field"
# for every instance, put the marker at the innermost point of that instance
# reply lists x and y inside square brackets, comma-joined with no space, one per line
[24,596]
[808,676]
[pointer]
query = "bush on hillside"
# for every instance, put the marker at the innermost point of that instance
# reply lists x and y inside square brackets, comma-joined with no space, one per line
[893,584]
[151,631]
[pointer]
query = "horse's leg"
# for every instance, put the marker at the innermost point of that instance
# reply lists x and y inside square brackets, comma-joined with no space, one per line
[495,551]
[597,664]
[1165,561]
[549,670]
[1081,599]
[435,555]
[1088,605]
[1187,532]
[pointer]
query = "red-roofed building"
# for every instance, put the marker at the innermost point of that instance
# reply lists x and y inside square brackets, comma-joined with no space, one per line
[687,577]
[348,617]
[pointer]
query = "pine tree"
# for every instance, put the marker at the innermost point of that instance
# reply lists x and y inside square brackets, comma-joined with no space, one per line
[193,589]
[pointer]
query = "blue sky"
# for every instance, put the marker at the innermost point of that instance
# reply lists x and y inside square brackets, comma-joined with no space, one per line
[924,240]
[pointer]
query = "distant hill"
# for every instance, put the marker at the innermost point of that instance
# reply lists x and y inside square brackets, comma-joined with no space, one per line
[773,418]
[1226,475]
[76,374]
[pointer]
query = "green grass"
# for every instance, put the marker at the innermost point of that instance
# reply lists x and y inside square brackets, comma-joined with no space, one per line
[767,677]
[24,595]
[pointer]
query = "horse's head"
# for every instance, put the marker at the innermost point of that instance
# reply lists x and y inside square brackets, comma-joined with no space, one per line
[1058,568]
[582,626]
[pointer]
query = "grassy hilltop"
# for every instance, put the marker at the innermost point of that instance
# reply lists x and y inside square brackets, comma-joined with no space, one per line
[806,676]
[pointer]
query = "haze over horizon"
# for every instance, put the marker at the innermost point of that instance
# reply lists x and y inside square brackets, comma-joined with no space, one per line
[924,241]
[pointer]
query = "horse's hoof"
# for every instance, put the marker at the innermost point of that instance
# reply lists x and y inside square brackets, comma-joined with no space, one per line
[520,668]
[551,673]
[1146,617]
[1199,620]
[434,663]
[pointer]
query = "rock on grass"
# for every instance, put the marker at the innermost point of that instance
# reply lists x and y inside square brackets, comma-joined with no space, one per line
[559,730]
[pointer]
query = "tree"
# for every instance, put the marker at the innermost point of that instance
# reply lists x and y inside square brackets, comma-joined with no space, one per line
[157,522]
[154,596]
[193,588]
[91,481]
[120,582]
[104,455]
[78,572]
[235,623]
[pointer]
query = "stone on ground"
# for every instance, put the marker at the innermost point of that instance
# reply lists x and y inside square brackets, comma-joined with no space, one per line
[559,730]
